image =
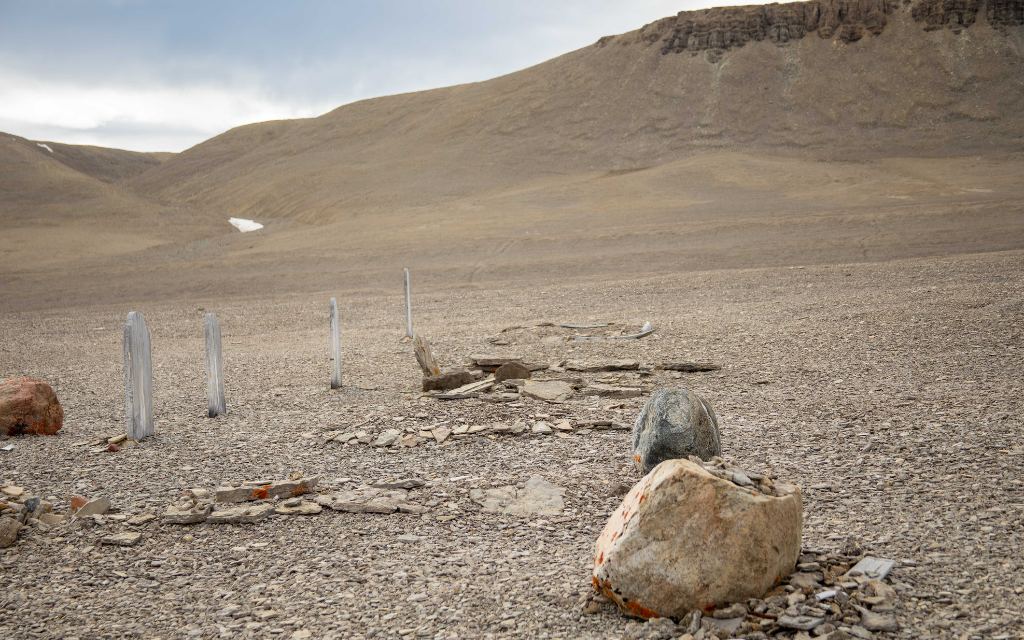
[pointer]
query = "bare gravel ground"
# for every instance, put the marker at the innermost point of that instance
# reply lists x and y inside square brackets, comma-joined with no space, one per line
[890,392]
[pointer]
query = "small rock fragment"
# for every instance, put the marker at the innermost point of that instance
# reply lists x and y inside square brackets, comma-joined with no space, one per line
[127,539]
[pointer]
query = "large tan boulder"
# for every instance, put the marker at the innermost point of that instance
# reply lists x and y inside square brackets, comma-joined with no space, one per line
[29,405]
[688,537]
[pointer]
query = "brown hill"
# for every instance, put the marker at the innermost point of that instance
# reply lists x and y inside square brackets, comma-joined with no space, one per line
[831,78]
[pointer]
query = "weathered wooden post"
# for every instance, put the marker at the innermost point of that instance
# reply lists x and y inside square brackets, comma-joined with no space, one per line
[214,368]
[138,378]
[335,347]
[408,305]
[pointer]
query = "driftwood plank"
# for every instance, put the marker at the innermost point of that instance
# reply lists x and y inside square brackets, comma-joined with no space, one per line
[467,390]
[335,346]
[215,402]
[138,378]
[408,305]
[689,367]
[425,356]
[645,331]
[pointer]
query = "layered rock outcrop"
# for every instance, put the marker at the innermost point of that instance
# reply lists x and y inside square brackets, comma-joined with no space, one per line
[724,28]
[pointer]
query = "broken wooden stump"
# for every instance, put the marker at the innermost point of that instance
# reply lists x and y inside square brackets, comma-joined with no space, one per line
[425,357]
[138,377]
[215,402]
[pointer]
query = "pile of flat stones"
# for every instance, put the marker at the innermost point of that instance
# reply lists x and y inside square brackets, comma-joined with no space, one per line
[257,500]
[827,597]
[414,437]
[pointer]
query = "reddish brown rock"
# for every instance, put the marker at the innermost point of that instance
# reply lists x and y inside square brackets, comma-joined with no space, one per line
[29,405]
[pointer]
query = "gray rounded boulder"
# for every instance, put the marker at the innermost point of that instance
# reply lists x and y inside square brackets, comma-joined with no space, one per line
[675,423]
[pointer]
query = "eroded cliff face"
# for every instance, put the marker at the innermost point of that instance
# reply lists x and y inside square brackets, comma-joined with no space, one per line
[723,28]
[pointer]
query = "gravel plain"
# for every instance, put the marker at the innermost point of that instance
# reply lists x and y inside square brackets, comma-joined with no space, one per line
[890,392]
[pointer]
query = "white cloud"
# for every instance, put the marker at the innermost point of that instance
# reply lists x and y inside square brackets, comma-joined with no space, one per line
[190,113]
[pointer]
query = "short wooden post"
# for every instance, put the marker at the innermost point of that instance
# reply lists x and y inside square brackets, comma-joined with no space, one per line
[138,378]
[335,347]
[214,368]
[408,305]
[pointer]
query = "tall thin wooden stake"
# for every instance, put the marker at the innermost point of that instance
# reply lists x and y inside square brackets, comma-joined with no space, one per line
[214,368]
[138,378]
[335,347]
[408,305]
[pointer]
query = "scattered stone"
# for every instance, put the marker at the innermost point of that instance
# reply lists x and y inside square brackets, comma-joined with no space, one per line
[448,380]
[242,514]
[611,391]
[298,507]
[52,519]
[141,519]
[800,623]
[675,423]
[684,539]
[264,490]
[653,629]
[387,438]
[537,497]
[187,513]
[511,371]
[549,391]
[541,427]
[873,568]
[876,621]
[9,528]
[29,406]
[441,434]
[96,507]
[127,539]
[606,365]
[410,440]
[12,491]
[562,425]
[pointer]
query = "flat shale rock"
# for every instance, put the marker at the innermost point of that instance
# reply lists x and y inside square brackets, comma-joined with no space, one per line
[611,391]
[29,405]
[298,507]
[265,490]
[604,365]
[551,391]
[537,497]
[128,539]
[242,514]
[675,423]
[685,539]
[187,513]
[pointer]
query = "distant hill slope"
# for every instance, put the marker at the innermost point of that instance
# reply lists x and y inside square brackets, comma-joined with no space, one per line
[52,212]
[107,165]
[829,78]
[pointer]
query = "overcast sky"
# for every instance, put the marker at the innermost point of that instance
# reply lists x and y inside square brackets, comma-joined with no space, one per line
[164,75]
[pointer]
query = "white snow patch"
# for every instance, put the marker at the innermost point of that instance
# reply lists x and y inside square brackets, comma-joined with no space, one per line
[44,146]
[244,225]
